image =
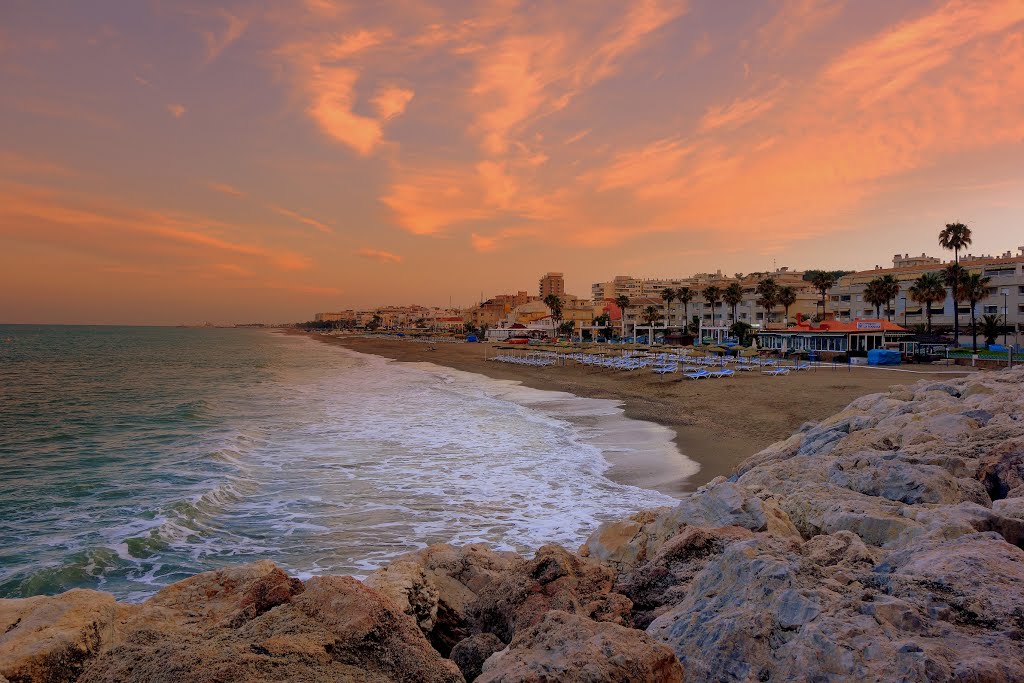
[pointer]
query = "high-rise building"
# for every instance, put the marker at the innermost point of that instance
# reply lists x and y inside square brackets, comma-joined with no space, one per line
[552,283]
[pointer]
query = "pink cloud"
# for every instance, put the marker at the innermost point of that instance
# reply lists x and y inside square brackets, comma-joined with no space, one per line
[305,220]
[226,189]
[379,255]
[391,100]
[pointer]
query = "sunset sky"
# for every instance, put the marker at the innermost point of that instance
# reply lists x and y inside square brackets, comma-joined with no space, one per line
[165,162]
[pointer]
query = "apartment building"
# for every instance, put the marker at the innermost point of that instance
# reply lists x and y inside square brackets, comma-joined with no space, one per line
[647,292]
[489,313]
[552,283]
[1005,291]
[339,316]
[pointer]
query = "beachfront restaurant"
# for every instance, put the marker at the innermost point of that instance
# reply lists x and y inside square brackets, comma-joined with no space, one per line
[831,336]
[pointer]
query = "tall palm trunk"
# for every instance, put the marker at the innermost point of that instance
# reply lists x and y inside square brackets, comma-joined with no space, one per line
[956,300]
[928,314]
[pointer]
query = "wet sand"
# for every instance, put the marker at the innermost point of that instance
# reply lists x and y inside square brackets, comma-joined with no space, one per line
[717,423]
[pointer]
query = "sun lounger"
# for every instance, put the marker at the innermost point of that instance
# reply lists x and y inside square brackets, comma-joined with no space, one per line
[777,371]
[802,366]
[699,374]
[724,372]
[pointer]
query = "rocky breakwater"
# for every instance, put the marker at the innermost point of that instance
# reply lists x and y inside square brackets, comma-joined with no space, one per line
[882,544]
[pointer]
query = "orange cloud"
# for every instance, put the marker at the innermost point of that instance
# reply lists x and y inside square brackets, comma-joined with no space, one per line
[312,222]
[739,112]
[176,110]
[14,164]
[379,255]
[216,43]
[794,20]
[391,101]
[426,201]
[224,188]
[39,213]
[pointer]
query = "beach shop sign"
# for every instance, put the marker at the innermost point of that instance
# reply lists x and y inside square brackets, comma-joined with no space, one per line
[868,325]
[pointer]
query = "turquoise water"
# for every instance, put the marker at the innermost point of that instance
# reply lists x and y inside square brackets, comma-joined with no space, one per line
[134,457]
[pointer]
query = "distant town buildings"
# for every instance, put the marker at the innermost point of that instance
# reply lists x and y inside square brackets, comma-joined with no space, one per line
[1005,290]
[843,303]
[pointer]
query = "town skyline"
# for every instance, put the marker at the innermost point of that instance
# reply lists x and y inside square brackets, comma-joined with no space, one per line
[187,161]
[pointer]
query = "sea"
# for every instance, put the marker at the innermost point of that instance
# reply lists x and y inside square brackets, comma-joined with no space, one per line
[133,457]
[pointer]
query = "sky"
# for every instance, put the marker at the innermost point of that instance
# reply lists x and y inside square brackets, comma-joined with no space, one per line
[165,162]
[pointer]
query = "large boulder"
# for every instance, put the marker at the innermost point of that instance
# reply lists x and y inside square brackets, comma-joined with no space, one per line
[554,579]
[439,585]
[664,580]
[248,624]
[569,648]
[470,654]
[834,608]
[52,638]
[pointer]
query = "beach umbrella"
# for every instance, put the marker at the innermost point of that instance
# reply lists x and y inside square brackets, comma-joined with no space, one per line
[750,352]
[714,349]
[799,352]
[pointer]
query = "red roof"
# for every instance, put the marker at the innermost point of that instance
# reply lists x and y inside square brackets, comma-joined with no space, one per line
[858,325]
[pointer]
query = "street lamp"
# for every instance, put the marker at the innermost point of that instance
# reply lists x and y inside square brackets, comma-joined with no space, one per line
[1006,319]
[904,300]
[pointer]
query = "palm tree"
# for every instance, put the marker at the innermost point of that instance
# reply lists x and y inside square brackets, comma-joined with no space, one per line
[768,292]
[955,236]
[622,301]
[733,296]
[927,290]
[823,282]
[874,294]
[974,288]
[712,295]
[685,295]
[651,315]
[952,277]
[787,297]
[890,290]
[555,305]
[991,328]
[668,295]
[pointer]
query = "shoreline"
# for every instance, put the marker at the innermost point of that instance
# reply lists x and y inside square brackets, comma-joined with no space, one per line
[717,423]
[638,453]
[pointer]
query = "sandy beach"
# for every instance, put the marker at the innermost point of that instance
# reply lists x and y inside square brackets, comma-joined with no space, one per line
[718,423]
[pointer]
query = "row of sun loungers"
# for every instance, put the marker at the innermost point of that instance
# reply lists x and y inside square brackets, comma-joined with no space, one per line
[689,367]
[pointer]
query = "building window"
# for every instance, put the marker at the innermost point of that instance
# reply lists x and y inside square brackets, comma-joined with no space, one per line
[991,310]
[1008,271]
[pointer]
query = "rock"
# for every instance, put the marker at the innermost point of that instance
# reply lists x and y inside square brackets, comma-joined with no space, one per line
[334,629]
[626,542]
[1012,508]
[765,610]
[887,476]
[438,585]
[572,649]
[1001,470]
[554,580]
[663,581]
[51,638]
[471,653]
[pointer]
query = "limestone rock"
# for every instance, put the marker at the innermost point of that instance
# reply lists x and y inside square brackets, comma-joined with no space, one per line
[438,586]
[554,580]
[470,654]
[572,649]
[51,638]
[335,629]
